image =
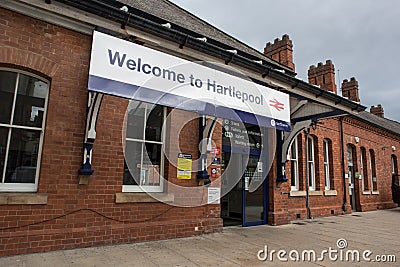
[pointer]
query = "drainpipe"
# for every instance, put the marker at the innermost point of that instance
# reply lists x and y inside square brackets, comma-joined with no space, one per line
[343,167]
[307,131]
[202,175]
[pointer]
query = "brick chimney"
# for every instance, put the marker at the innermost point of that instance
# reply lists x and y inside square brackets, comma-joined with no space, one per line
[350,89]
[323,75]
[281,51]
[378,111]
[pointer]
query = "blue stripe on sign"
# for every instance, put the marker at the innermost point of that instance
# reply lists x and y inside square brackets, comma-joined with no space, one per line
[141,93]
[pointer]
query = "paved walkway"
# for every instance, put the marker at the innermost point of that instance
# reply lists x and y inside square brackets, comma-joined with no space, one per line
[377,231]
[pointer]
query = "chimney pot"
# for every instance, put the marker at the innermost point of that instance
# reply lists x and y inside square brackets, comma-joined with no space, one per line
[281,51]
[323,76]
[350,89]
[378,111]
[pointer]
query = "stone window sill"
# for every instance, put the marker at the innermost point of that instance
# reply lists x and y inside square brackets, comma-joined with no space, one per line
[375,192]
[297,193]
[330,193]
[23,199]
[366,192]
[315,193]
[142,198]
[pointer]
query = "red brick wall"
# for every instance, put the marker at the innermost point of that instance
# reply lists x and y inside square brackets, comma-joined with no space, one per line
[88,214]
[284,208]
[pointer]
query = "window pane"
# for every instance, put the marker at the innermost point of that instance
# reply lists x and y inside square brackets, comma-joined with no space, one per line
[3,144]
[31,95]
[7,88]
[310,149]
[293,170]
[135,124]
[22,156]
[310,174]
[133,152]
[154,123]
[327,180]
[293,150]
[151,165]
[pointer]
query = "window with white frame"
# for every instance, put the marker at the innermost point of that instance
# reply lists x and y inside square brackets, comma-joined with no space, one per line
[144,161]
[394,164]
[326,165]
[294,165]
[23,105]
[372,170]
[362,168]
[311,163]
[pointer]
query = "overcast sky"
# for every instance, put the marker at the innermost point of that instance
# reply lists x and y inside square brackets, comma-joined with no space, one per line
[361,37]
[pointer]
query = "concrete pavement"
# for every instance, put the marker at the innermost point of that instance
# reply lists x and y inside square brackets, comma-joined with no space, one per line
[376,231]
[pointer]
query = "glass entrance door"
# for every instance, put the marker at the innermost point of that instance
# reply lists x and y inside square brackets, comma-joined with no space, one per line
[240,206]
[254,203]
[232,189]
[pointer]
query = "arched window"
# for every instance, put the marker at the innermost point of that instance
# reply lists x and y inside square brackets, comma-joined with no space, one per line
[311,163]
[363,169]
[395,169]
[294,165]
[23,105]
[327,164]
[372,167]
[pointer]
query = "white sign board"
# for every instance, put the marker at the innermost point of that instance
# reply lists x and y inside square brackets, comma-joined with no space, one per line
[129,70]
[214,195]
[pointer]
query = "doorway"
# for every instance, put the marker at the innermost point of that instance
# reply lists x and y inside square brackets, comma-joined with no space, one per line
[351,175]
[240,206]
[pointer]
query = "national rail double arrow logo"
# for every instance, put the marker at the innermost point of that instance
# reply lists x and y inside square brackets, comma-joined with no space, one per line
[276,104]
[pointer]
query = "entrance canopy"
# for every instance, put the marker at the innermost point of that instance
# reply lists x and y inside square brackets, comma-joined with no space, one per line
[129,70]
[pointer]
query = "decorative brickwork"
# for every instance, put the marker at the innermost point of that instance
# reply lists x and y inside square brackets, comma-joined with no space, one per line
[350,89]
[281,51]
[323,75]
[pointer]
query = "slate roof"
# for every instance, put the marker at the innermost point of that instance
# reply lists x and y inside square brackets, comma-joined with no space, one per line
[174,14]
[386,124]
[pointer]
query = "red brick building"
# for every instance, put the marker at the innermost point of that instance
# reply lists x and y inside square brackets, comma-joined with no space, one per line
[362,148]
[67,176]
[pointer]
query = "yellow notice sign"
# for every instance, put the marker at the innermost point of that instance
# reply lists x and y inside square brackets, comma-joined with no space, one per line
[184,166]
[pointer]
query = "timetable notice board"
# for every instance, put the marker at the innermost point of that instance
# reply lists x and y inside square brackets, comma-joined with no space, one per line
[184,167]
